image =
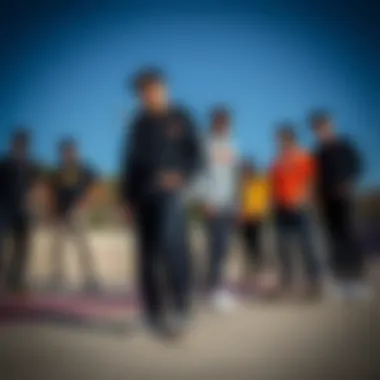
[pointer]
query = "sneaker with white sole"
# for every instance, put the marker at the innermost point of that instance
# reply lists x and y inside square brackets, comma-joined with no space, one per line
[359,290]
[338,291]
[223,301]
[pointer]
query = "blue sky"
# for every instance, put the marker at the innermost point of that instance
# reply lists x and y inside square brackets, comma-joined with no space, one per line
[66,68]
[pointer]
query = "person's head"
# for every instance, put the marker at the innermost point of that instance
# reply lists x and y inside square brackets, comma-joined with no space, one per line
[20,143]
[286,137]
[150,87]
[321,124]
[220,121]
[68,151]
[248,169]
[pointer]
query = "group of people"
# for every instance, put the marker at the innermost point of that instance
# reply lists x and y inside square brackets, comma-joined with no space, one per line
[163,156]
[70,194]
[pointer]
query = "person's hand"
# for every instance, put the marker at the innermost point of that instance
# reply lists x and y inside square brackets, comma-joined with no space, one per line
[79,213]
[128,213]
[209,211]
[240,218]
[170,180]
[343,189]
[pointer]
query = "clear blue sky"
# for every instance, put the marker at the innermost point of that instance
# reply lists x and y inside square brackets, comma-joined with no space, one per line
[66,66]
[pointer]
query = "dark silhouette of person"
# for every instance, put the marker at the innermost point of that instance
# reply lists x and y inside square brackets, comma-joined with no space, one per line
[18,175]
[161,157]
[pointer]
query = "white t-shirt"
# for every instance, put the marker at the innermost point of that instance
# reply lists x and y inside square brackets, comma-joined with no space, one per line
[220,174]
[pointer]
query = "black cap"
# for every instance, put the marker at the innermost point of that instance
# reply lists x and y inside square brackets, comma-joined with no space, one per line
[67,143]
[147,76]
[320,116]
[287,130]
[21,135]
[220,114]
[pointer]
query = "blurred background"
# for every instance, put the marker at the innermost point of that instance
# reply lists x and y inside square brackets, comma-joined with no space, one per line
[64,71]
[66,65]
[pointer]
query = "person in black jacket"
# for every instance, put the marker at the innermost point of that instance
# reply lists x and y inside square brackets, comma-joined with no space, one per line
[339,167]
[18,174]
[162,155]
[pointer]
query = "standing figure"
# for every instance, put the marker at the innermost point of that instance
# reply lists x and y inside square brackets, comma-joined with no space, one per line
[161,157]
[220,202]
[340,166]
[72,187]
[292,183]
[18,175]
[254,209]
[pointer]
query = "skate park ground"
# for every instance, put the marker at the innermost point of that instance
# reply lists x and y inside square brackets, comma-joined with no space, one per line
[257,341]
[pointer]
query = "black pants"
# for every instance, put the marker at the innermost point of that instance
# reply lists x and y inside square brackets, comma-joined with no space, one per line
[219,232]
[164,262]
[251,237]
[295,224]
[345,256]
[16,225]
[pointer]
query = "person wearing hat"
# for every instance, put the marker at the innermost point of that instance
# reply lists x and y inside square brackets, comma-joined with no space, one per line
[160,158]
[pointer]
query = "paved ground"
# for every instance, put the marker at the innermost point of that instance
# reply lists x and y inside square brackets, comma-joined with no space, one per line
[258,341]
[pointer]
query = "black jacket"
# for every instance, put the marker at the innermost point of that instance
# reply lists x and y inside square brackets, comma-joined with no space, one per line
[16,179]
[339,162]
[157,143]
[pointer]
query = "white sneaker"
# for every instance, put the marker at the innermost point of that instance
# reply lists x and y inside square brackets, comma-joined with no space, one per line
[338,291]
[223,301]
[359,290]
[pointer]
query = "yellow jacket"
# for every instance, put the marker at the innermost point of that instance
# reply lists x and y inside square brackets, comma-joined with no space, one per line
[255,197]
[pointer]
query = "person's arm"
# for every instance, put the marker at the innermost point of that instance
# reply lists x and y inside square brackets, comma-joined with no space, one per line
[90,193]
[192,150]
[35,191]
[354,162]
[131,172]
[353,167]
[3,174]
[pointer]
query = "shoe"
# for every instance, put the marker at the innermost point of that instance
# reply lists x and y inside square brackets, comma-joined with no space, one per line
[56,284]
[314,291]
[160,328]
[178,325]
[338,291]
[359,290]
[223,301]
[92,287]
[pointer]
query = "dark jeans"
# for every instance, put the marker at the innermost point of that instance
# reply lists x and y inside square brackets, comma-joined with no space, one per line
[16,225]
[345,256]
[68,226]
[251,236]
[295,224]
[219,233]
[164,261]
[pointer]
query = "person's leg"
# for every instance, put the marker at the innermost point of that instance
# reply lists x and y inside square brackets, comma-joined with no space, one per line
[16,280]
[59,234]
[252,248]
[218,237]
[332,220]
[149,264]
[352,256]
[333,213]
[176,254]
[304,232]
[283,230]
[86,259]
[3,232]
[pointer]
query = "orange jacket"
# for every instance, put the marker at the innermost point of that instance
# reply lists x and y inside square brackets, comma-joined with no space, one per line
[292,177]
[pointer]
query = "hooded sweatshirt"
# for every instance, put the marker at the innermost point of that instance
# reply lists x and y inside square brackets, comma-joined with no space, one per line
[220,181]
